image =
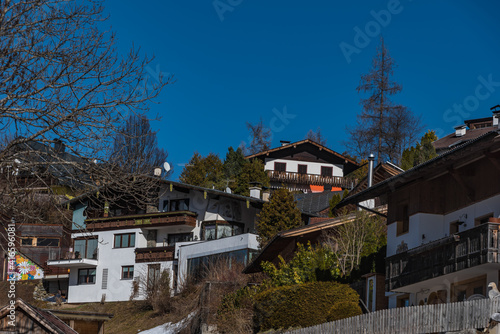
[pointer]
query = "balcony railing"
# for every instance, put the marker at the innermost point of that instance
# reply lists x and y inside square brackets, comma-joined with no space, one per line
[143,220]
[296,178]
[154,254]
[462,250]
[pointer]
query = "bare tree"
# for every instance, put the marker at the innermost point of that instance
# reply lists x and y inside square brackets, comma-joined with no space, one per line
[383,127]
[316,136]
[135,148]
[63,94]
[260,138]
[361,236]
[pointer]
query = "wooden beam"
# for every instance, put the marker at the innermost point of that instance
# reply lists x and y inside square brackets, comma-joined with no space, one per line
[469,192]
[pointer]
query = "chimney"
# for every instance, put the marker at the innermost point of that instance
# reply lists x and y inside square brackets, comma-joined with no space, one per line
[371,158]
[255,189]
[157,171]
[265,195]
[284,142]
[496,115]
[460,130]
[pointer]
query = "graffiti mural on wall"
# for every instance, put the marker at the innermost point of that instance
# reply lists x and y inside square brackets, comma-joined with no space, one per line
[24,269]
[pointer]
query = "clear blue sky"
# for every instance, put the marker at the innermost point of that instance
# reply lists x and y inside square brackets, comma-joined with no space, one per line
[249,59]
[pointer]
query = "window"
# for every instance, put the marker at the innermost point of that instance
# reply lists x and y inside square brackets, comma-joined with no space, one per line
[302,169]
[86,249]
[326,171]
[179,237]
[403,226]
[48,242]
[219,230]
[125,240]
[128,272]
[86,276]
[280,166]
[27,242]
[40,242]
[179,204]
[176,205]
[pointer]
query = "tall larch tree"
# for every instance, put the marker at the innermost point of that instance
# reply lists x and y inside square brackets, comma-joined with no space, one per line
[383,127]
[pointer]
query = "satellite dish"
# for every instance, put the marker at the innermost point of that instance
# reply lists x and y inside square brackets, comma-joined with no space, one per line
[166,166]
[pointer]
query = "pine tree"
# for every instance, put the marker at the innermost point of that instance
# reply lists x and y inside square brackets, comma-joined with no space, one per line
[252,171]
[205,172]
[232,166]
[421,152]
[279,214]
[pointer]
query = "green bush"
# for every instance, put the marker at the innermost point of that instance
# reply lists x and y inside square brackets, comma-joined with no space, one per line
[304,305]
[344,309]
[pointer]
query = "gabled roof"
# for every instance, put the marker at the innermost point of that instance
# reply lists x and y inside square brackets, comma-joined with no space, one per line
[284,243]
[382,172]
[310,146]
[462,154]
[450,141]
[178,185]
[45,319]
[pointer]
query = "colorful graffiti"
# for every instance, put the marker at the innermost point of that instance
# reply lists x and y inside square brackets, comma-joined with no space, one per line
[23,269]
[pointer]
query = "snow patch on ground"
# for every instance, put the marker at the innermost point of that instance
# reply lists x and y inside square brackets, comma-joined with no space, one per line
[169,328]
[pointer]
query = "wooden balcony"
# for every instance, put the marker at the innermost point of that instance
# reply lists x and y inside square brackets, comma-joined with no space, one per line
[154,254]
[296,178]
[462,250]
[143,220]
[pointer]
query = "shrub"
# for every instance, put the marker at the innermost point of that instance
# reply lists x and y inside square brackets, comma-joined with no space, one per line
[303,305]
[343,309]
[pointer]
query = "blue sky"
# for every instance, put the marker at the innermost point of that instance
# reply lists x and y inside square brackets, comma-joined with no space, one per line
[238,60]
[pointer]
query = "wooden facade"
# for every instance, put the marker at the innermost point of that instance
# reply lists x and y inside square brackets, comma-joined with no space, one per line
[298,178]
[143,220]
[154,254]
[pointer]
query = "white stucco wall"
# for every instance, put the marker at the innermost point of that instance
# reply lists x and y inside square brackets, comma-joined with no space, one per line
[435,227]
[108,258]
[205,248]
[312,167]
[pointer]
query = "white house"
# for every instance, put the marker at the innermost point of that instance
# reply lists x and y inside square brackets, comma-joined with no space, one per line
[443,229]
[306,166]
[191,225]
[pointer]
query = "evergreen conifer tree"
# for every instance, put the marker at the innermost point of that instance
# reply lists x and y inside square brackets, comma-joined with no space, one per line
[279,214]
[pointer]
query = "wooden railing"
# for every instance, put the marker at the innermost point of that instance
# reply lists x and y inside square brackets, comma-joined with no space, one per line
[462,250]
[154,254]
[296,178]
[148,219]
[415,319]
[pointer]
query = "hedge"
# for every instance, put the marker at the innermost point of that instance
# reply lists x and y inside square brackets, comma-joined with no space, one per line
[304,305]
